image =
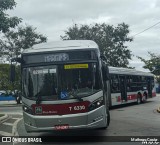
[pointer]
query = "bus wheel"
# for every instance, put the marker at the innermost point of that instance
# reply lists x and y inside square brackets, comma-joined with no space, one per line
[139,99]
[144,98]
[108,118]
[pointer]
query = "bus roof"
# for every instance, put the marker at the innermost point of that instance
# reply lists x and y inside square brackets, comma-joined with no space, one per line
[62,45]
[126,71]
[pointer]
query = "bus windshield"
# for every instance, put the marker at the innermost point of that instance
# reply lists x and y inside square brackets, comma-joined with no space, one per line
[59,82]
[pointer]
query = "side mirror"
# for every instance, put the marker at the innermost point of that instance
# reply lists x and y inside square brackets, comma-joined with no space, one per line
[12,73]
[103,57]
[105,71]
[12,68]
[17,59]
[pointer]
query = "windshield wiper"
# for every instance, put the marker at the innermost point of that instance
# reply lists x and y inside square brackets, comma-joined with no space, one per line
[38,100]
[74,95]
[79,98]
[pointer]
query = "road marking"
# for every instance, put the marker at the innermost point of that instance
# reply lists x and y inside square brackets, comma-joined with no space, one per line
[6,123]
[5,133]
[12,113]
[4,120]
[15,118]
[14,129]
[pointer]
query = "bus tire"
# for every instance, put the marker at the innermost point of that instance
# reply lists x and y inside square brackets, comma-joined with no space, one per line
[18,100]
[144,98]
[139,99]
[108,118]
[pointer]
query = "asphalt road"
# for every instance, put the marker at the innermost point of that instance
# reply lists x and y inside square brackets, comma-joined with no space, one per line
[11,109]
[133,120]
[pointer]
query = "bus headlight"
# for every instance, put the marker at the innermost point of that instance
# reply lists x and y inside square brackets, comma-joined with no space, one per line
[97,103]
[27,109]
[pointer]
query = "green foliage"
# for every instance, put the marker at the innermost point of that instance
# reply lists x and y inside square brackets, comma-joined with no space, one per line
[153,64]
[12,41]
[22,38]
[5,83]
[7,4]
[110,40]
[7,22]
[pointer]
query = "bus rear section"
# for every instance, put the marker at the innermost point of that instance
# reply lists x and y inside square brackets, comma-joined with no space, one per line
[64,89]
[129,85]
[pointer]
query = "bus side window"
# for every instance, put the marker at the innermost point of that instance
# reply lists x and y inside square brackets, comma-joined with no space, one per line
[129,81]
[152,81]
[114,84]
[144,83]
[133,83]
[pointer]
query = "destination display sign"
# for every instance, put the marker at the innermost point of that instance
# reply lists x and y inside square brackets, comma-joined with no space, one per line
[58,57]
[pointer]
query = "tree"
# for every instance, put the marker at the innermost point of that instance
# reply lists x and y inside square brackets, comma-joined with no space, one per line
[111,40]
[4,74]
[5,83]
[19,39]
[11,45]
[7,22]
[153,64]
[12,41]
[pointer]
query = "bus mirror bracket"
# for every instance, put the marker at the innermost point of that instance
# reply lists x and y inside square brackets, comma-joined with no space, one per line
[12,68]
[105,69]
[105,73]
[17,59]
[12,72]
[103,57]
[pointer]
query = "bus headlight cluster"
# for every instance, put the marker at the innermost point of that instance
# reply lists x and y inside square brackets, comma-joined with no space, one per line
[97,103]
[27,109]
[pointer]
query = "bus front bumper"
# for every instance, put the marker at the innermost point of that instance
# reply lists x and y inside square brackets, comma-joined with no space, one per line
[90,120]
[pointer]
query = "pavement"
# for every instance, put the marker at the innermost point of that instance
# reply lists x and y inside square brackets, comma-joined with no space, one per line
[7,104]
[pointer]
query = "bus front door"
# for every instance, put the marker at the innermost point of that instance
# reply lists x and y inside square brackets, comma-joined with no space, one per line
[123,87]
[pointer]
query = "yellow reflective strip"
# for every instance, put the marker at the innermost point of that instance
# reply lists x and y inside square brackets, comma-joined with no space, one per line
[74,66]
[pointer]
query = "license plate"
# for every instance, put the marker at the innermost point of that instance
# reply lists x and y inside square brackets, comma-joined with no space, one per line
[61,127]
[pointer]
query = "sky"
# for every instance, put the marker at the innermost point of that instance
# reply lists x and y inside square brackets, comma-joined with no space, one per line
[53,17]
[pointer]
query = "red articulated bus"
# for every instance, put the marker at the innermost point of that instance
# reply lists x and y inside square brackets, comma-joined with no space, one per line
[129,85]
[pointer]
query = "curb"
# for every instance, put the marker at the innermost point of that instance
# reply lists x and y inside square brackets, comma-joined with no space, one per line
[158,110]
[8,102]
[10,105]
[3,118]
